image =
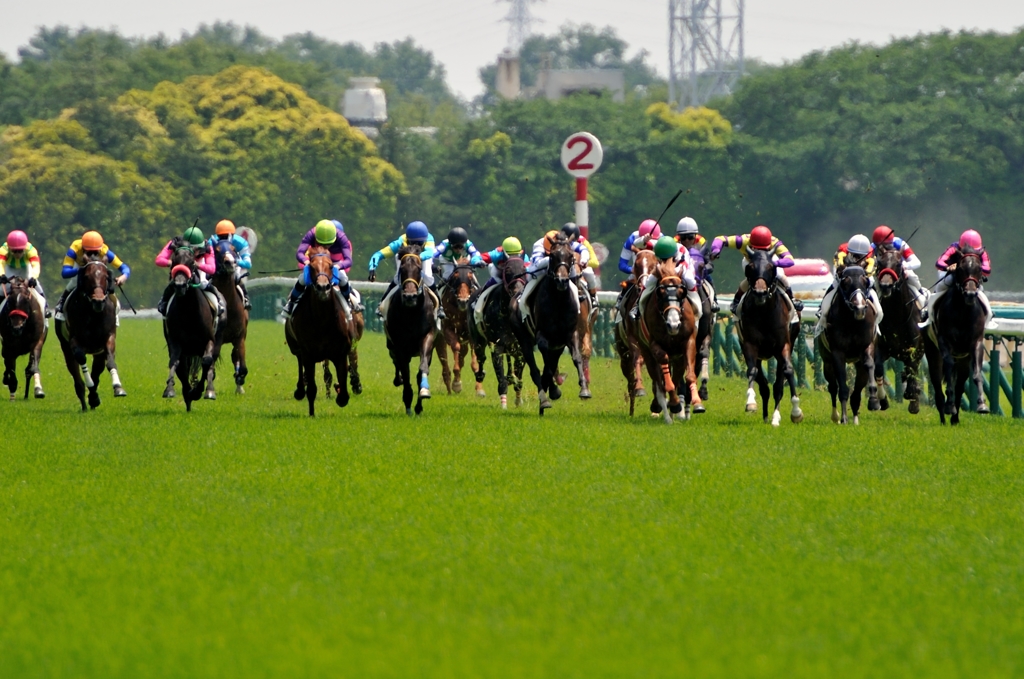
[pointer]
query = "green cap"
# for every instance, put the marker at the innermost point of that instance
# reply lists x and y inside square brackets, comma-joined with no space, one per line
[666,247]
[193,236]
[326,233]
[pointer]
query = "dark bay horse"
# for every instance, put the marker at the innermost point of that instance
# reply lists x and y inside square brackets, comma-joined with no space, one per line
[456,292]
[668,343]
[627,331]
[900,336]
[191,329]
[765,332]
[410,326]
[236,324]
[496,330]
[90,329]
[554,314]
[23,331]
[318,331]
[849,337]
[953,341]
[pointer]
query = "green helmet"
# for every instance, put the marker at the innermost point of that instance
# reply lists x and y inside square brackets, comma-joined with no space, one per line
[512,246]
[326,232]
[666,247]
[193,236]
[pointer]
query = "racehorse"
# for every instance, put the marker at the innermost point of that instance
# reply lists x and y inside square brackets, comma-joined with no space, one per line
[584,325]
[765,332]
[193,332]
[319,331]
[849,337]
[900,336]
[953,341]
[627,331]
[496,330]
[554,314]
[410,326]
[705,328]
[668,343]
[236,325]
[90,329]
[23,331]
[456,292]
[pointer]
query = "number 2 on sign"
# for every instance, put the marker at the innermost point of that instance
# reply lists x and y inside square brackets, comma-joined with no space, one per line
[576,163]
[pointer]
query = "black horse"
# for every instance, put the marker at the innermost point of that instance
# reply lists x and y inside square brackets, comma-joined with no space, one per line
[89,328]
[23,331]
[191,329]
[849,337]
[900,336]
[766,332]
[411,326]
[496,330]
[236,323]
[553,310]
[953,342]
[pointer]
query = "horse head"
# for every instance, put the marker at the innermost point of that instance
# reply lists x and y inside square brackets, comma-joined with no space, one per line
[667,293]
[760,271]
[183,266]
[890,269]
[462,282]
[853,284]
[410,273]
[19,305]
[321,271]
[561,262]
[644,264]
[95,282]
[968,274]
[513,276]
[226,256]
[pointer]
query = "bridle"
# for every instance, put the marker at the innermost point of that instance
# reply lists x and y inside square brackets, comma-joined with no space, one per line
[319,274]
[962,284]
[669,288]
[418,281]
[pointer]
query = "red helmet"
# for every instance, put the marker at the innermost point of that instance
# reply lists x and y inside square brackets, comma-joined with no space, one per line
[970,239]
[761,238]
[17,240]
[651,228]
[882,234]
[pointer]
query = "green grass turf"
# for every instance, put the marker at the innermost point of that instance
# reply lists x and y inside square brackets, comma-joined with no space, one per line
[246,540]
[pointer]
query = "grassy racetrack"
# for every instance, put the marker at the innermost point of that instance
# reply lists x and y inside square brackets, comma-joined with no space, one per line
[246,540]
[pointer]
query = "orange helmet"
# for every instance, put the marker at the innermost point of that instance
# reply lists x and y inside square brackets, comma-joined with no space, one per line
[92,240]
[549,240]
[761,238]
[225,227]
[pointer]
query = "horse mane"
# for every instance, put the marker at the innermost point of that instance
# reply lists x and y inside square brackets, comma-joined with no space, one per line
[666,269]
[409,249]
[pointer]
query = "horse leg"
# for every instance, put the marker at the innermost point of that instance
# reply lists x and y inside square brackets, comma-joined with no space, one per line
[579,357]
[309,371]
[300,386]
[786,368]
[693,397]
[499,372]
[10,376]
[551,371]
[663,364]
[205,374]
[753,368]
[182,369]
[863,379]
[638,370]
[517,377]
[977,358]
[681,374]
[238,360]
[458,360]
[71,361]
[765,392]
[403,374]
[423,374]
[441,348]
[328,376]
[174,356]
[537,378]
[98,365]
[479,347]
[948,371]
[868,363]
[839,369]
[935,376]
[341,367]
[913,391]
[111,363]
[705,373]
[626,367]
[353,369]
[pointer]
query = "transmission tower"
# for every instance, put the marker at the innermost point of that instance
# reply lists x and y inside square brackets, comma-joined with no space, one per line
[705,49]
[519,21]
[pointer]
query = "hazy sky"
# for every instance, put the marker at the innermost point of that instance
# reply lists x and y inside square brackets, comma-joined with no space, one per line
[466,34]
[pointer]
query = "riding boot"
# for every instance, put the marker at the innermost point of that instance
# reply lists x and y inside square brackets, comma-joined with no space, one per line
[347,291]
[735,302]
[245,295]
[440,307]
[797,303]
[293,299]
[161,306]
[58,311]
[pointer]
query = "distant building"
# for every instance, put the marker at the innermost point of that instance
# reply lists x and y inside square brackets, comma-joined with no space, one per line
[554,84]
[507,81]
[365,106]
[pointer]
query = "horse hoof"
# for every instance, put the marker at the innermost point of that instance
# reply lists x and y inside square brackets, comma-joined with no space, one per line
[299,394]
[169,393]
[698,408]
[119,391]
[342,399]
[703,392]
[856,419]
[39,393]
[560,378]
[884,404]
[239,389]
[835,416]
[545,403]
[751,407]
[914,407]
[519,401]
[480,392]
[555,393]
[457,387]
[357,388]
[397,381]
[584,393]
[13,397]
[776,418]
[94,400]
[408,411]
[796,418]
[639,393]
[424,393]
[983,409]
[210,395]
[873,404]
[675,408]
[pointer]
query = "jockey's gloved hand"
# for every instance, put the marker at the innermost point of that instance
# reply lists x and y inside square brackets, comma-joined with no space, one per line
[709,268]
[31,282]
[984,278]
[3,280]
[120,280]
[375,260]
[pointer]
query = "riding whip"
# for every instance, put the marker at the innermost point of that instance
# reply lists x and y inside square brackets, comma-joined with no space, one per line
[280,271]
[130,306]
[670,203]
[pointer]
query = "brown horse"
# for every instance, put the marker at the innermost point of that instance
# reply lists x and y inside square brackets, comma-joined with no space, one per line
[456,292]
[954,341]
[90,329]
[410,326]
[900,337]
[236,326]
[627,331]
[319,331]
[668,344]
[766,332]
[192,330]
[23,331]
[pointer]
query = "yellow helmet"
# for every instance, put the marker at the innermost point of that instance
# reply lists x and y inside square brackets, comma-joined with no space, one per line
[512,246]
[326,232]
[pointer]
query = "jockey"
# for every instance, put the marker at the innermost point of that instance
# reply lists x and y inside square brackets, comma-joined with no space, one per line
[857,251]
[970,241]
[688,235]
[18,257]
[416,233]
[572,232]
[539,261]
[205,265]
[760,238]
[495,262]
[883,234]
[226,231]
[78,255]
[667,248]
[641,239]
[326,233]
[453,248]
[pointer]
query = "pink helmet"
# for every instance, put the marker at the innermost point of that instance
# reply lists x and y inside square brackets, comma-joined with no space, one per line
[649,227]
[970,239]
[17,240]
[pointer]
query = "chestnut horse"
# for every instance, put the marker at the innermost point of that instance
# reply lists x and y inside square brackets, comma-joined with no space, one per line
[90,329]
[23,331]
[456,292]
[627,331]
[236,326]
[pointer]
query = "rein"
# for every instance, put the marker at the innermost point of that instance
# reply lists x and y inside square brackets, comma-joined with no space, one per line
[417,282]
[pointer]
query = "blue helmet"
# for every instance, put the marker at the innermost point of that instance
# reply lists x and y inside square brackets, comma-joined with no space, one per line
[416,232]
[338,224]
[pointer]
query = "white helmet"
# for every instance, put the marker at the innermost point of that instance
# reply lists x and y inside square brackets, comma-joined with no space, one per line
[686,225]
[859,245]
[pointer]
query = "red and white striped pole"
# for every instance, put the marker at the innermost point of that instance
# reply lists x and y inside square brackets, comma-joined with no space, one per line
[581,156]
[582,209]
